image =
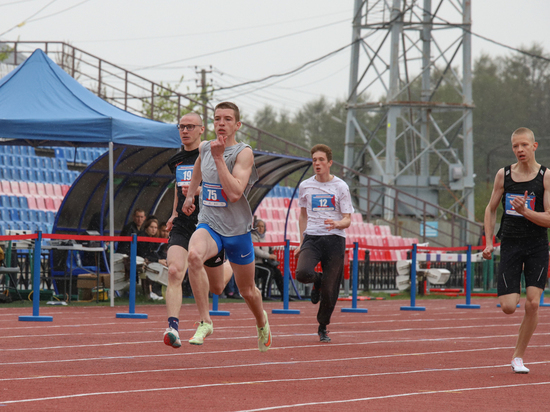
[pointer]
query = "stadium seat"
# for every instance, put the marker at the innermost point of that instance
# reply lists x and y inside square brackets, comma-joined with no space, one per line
[48,187]
[50,217]
[58,192]
[40,204]
[31,201]
[5,214]
[40,189]
[5,187]
[33,215]
[15,188]
[42,216]
[65,189]
[23,203]
[16,161]
[48,202]
[8,173]
[33,190]
[56,203]
[24,187]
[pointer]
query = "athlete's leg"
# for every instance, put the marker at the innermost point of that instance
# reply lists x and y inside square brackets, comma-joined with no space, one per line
[529,322]
[332,263]
[244,276]
[219,277]
[509,302]
[177,265]
[308,259]
[201,247]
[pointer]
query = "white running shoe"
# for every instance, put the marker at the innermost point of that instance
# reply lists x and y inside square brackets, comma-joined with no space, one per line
[264,336]
[172,338]
[518,367]
[204,330]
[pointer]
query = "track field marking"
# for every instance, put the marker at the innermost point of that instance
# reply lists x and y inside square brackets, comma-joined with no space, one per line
[269,364]
[279,348]
[272,381]
[400,395]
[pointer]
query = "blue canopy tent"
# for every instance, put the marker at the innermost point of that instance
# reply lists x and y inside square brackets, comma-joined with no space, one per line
[41,105]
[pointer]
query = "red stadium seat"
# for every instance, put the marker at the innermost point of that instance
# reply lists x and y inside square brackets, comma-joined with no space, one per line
[24,188]
[58,192]
[31,201]
[40,189]
[48,202]
[57,203]
[65,189]
[15,189]
[40,204]
[33,190]
[49,189]
[5,187]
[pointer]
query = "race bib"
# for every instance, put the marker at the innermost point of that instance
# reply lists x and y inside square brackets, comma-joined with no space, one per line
[509,209]
[184,174]
[323,203]
[213,195]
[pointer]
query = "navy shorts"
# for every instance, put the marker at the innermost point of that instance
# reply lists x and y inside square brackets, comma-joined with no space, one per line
[527,255]
[239,249]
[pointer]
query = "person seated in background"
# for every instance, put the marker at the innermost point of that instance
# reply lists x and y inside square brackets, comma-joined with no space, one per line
[266,261]
[147,250]
[138,217]
[161,251]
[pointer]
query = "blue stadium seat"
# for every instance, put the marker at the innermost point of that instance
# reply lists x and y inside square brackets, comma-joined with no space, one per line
[5,201]
[59,164]
[24,215]
[23,202]
[50,217]
[40,176]
[14,215]
[5,215]
[14,202]
[17,173]
[16,150]
[59,152]
[25,174]
[33,215]
[35,162]
[42,216]
[2,228]
[2,149]
[26,161]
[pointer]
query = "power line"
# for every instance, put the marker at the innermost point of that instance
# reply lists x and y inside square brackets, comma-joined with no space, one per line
[208,32]
[289,72]
[59,12]
[28,18]
[244,45]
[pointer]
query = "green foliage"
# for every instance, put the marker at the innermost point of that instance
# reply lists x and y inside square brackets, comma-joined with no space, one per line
[164,107]
[5,52]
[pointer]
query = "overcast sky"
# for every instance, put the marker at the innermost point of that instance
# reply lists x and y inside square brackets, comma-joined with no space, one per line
[165,39]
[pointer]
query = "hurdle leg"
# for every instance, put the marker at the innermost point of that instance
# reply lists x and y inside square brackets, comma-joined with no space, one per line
[132,309]
[355,284]
[413,285]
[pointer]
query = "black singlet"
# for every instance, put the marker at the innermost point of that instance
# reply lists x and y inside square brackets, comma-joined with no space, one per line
[513,224]
[184,158]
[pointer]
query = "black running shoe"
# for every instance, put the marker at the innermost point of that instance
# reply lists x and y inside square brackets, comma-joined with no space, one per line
[323,334]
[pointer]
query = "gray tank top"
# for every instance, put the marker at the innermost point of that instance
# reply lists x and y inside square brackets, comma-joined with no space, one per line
[224,217]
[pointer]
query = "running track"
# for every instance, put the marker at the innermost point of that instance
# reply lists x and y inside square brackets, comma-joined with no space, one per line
[443,359]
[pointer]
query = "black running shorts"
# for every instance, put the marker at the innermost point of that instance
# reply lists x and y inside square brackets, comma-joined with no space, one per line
[179,236]
[527,255]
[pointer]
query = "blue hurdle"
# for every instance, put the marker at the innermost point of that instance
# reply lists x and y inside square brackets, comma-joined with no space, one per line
[286,279]
[413,283]
[215,311]
[355,285]
[132,308]
[468,286]
[36,286]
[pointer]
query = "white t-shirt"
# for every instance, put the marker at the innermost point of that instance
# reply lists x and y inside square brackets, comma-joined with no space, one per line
[324,200]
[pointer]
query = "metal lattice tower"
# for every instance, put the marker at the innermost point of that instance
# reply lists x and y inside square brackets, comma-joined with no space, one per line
[409,121]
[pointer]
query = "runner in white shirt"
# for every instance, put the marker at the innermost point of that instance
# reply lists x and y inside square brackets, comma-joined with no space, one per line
[326,210]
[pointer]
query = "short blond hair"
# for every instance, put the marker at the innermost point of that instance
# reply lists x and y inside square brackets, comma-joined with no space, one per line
[524,131]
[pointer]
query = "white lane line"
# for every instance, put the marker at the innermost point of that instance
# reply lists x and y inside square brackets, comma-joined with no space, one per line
[293,362]
[317,345]
[398,395]
[272,381]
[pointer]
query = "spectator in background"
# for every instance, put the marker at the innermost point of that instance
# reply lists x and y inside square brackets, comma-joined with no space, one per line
[161,251]
[266,261]
[138,217]
[147,250]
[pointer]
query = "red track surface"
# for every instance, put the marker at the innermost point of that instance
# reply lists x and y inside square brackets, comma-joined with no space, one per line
[443,359]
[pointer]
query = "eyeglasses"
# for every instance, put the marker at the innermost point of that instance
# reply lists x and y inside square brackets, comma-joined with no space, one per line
[189,127]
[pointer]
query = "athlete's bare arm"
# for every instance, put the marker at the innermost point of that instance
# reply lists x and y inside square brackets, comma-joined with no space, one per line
[491,213]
